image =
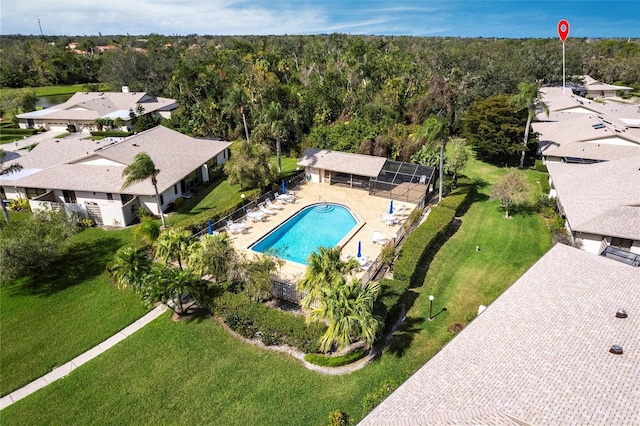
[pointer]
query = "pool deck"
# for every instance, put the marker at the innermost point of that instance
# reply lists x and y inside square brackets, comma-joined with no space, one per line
[367,210]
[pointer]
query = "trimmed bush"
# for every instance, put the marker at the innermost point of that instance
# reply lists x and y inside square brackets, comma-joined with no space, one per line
[335,361]
[387,305]
[13,131]
[272,327]
[541,167]
[111,133]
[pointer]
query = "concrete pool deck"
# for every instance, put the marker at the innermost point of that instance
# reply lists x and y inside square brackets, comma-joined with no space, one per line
[365,207]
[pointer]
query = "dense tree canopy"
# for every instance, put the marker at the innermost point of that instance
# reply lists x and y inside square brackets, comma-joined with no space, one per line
[352,93]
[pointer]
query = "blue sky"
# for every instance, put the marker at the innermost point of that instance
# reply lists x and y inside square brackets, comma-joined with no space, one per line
[466,18]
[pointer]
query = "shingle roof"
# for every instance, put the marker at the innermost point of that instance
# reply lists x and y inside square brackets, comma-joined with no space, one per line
[91,105]
[587,136]
[342,162]
[539,353]
[173,153]
[602,198]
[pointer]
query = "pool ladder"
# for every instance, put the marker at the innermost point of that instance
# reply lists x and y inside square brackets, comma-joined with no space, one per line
[323,201]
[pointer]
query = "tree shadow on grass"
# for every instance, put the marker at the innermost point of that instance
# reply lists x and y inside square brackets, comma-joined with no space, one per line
[81,261]
[403,337]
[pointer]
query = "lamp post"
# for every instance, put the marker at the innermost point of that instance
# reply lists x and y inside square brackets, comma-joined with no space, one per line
[242,196]
[430,307]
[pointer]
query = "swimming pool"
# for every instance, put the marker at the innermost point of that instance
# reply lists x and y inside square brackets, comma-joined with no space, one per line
[318,225]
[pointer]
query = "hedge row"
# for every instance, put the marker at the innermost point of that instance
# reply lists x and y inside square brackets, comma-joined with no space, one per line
[111,133]
[335,361]
[257,321]
[387,304]
[13,131]
[427,235]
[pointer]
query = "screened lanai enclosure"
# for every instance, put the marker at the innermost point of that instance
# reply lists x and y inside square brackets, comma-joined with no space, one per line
[403,181]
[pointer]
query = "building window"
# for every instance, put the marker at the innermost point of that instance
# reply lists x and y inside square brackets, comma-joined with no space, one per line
[161,200]
[69,196]
[34,192]
[621,243]
[125,198]
[175,188]
[109,196]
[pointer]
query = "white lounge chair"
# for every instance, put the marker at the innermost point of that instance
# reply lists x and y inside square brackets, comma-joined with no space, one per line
[272,205]
[265,210]
[379,238]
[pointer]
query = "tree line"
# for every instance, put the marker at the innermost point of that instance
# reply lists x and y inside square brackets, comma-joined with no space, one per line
[365,94]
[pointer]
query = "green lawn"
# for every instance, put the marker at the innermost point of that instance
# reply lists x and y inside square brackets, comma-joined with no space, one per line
[52,90]
[47,321]
[193,372]
[220,194]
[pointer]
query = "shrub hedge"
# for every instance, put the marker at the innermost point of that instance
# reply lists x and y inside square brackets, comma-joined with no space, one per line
[111,133]
[335,361]
[13,131]
[541,167]
[387,304]
[427,235]
[254,320]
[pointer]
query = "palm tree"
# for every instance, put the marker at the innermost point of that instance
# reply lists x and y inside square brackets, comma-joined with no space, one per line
[5,170]
[528,98]
[174,244]
[434,130]
[213,255]
[129,267]
[173,287]
[238,100]
[141,169]
[147,232]
[349,310]
[325,270]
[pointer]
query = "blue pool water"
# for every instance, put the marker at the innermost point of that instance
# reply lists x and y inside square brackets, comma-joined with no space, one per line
[319,225]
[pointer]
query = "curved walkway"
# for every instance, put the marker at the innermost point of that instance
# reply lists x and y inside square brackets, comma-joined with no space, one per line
[67,368]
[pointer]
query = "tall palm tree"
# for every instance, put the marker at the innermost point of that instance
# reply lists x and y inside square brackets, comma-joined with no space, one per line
[237,100]
[174,244]
[349,310]
[141,169]
[129,267]
[325,270]
[434,130]
[528,97]
[5,170]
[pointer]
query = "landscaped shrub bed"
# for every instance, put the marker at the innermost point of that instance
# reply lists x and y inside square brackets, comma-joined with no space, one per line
[111,133]
[335,361]
[15,131]
[255,320]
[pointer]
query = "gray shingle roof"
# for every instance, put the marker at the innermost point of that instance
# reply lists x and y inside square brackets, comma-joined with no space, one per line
[539,353]
[602,198]
[174,154]
[91,105]
[342,162]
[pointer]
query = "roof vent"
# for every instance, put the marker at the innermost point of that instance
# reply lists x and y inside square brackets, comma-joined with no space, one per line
[621,313]
[616,349]
[135,144]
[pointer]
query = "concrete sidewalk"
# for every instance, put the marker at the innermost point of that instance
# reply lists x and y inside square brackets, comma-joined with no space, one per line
[67,368]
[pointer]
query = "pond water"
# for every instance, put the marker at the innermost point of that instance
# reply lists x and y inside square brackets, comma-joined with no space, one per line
[49,101]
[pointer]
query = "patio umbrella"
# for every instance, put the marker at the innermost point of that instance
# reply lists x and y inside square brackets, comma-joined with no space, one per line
[284,188]
[210,227]
[391,207]
[359,248]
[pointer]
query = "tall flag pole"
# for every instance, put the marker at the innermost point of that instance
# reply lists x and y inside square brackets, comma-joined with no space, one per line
[563,32]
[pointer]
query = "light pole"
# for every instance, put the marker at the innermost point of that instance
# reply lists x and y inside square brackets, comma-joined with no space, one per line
[430,307]
[242,196]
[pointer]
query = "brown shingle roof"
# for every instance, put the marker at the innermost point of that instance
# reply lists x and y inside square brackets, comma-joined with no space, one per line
[539,353]
[342,162]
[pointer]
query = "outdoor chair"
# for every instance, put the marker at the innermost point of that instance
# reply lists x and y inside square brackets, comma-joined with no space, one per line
[272,205]
[265,210]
